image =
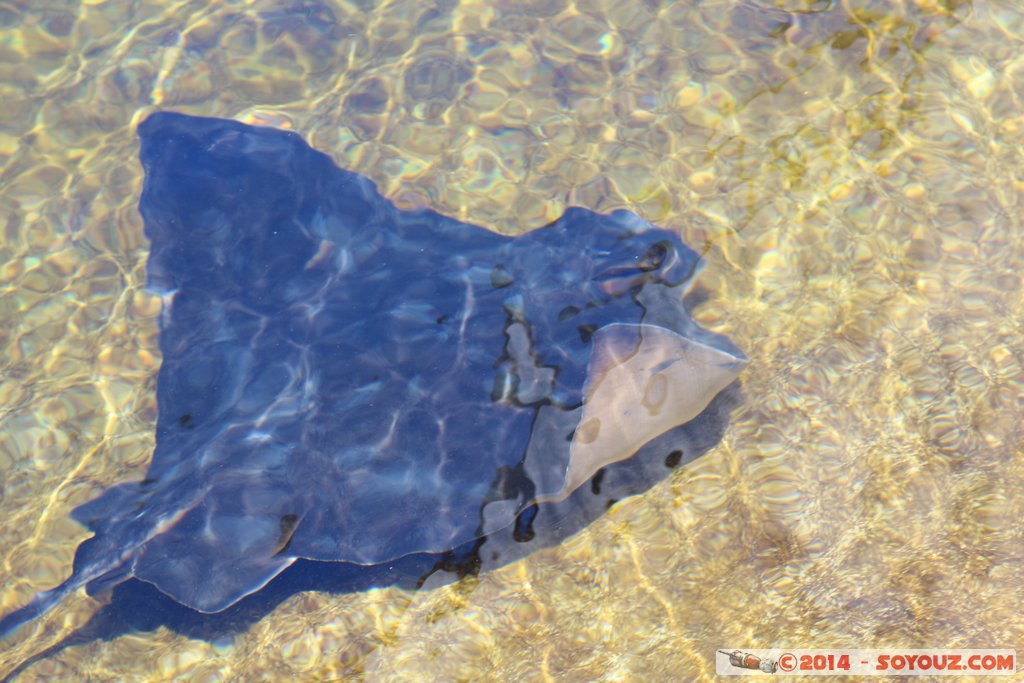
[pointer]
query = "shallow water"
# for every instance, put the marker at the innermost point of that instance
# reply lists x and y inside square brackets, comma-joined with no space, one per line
[852,171]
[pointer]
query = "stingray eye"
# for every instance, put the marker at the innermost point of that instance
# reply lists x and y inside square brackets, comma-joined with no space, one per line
[632,271]
[654,257]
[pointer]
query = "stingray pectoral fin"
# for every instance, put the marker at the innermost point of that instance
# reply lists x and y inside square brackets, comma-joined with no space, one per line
[642,380]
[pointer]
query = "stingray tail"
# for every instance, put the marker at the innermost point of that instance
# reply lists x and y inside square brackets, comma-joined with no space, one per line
[38,606]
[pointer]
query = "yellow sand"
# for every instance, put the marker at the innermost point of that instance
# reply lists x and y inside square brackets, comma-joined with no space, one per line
[855,177]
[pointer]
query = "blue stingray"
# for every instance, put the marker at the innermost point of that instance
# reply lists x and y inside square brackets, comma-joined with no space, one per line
[344,381]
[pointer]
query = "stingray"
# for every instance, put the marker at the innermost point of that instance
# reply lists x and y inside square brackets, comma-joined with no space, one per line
[344,381]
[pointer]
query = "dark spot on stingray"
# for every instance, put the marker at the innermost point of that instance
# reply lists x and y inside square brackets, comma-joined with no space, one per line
[504,386]
[500,277]
[442,319]
[287,526]
[673,459]
[568,312]
[186,421]
[587,332]
[508,483]
[523,531]
[610,502]
[595,482]
[654,257]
